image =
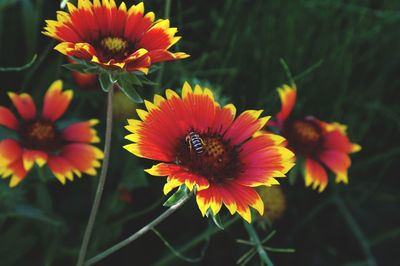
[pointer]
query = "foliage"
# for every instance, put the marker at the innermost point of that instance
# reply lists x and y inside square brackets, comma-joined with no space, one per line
[343,57]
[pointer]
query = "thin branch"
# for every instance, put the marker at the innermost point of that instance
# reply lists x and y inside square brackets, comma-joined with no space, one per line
[102,179]
[176,252]
[139,233]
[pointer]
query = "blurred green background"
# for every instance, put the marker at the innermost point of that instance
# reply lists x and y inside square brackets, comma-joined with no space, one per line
[345,58]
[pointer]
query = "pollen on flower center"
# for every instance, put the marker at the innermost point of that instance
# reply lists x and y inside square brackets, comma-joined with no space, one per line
[304,136]
[217,162]
[41,131]
[40,135]
[114,44]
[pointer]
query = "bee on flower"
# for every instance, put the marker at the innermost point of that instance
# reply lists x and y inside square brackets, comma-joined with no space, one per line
[201,144]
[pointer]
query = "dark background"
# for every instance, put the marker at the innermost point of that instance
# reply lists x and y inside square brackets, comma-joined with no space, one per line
[345,58]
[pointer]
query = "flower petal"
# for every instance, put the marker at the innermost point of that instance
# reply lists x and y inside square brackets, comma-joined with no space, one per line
[24,104]
[18,173]
[81,132]
[338,162]
[83,157]
[8,119]
[178,175]
[30,157]
[245,126]
[56,101]
[287,95]
[335,138]
[61,168]
[235,197]
[315,175]
[10,151]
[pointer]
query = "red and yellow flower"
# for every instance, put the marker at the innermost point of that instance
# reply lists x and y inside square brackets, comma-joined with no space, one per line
[113,37]
[235,156]
[321,144]
[67,151]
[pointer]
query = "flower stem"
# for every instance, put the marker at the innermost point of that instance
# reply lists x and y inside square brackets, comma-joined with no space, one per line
[258,245]
[102,179]
[139,233]
[196,241]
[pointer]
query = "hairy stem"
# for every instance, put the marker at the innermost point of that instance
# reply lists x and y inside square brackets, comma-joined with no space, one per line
[139,233]
[102,180]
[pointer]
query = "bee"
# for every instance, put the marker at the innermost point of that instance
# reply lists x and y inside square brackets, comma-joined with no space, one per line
[195,142]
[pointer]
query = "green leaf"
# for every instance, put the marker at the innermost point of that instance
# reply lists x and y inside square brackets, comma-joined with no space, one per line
[177,196]
[83,68]
[146,81]
[215,218]
[105,81]
[127,87]
[130,78]
[76,67]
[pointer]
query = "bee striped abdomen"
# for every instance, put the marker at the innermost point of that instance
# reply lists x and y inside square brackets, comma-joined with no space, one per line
[195,142]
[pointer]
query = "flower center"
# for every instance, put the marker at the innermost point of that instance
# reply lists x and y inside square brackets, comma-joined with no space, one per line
[114,44]
[304,136]
[114,48]
[215,160]
[40,135]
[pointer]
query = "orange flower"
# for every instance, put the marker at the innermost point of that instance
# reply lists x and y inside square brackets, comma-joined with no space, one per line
[113,37]
[323,145]
[67,151]
[202,144]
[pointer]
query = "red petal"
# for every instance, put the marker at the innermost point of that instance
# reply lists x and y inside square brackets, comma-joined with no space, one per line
[315,175]
[83,157]
[234,196]
[337,140]
[155,39]
[81,132]
[61,168]
[56,101]
[223,118]
[288,99]
[136,24]
[10,151]
[24,104]
[178,175]
[245,126]
[338,162]
[8,119]
[18,172]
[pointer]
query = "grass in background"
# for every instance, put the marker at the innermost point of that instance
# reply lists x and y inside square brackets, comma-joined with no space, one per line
[351,51]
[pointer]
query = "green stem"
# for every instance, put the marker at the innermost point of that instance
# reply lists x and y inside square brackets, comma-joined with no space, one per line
[260,249]
[195,241]
[35,66]
[355,228]
[176,252]
[280,250]
[139,233]
[102,179]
